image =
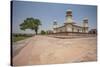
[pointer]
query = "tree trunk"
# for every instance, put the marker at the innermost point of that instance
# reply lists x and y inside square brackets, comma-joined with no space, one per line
[36,31]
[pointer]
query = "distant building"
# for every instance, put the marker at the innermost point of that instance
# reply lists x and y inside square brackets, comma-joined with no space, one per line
[49,32]
[93,31]
[70,25]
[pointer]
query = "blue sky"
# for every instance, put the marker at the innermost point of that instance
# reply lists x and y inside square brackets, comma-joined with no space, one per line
[48,12]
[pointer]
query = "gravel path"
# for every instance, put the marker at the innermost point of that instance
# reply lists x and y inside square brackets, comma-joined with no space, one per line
[49,50]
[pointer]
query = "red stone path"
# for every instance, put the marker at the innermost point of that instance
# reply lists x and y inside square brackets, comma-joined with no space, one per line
[48,50]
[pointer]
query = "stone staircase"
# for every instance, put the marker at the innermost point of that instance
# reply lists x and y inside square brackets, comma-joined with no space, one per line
[71,36]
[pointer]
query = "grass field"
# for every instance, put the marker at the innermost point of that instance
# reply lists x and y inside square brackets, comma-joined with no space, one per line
[18,38]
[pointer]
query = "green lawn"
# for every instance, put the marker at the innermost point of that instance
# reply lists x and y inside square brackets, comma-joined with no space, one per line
[18,38]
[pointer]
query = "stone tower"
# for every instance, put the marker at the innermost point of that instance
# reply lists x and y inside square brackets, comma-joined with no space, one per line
[85,25]
[69,16]
[69,21]
[54,26]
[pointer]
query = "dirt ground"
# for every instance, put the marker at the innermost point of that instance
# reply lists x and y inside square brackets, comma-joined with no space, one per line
[49,50]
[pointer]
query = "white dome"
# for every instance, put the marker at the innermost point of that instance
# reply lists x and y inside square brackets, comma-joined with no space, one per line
[69,10]
[55,20]
[85,18]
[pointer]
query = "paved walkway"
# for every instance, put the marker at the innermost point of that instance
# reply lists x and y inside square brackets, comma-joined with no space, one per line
[48,50]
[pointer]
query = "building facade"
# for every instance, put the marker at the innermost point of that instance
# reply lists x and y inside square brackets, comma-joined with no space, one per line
[70,25]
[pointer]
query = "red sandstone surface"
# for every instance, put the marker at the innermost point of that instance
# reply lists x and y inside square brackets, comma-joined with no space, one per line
[49,50]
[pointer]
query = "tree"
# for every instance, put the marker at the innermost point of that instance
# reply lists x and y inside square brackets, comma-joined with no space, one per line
[43,32]
[30,23]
